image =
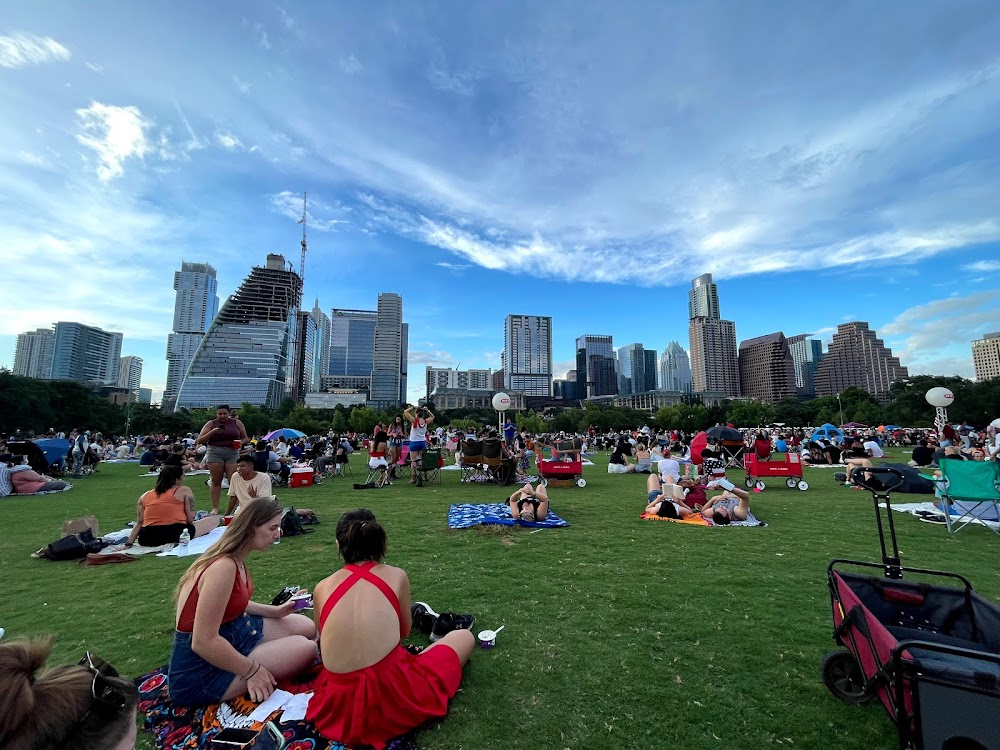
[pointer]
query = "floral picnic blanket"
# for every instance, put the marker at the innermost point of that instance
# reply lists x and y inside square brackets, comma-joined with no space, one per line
[700,520]
[467,515]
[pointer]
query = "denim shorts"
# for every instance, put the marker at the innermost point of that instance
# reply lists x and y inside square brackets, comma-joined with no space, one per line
[192,681]
[220,454]
[416,446]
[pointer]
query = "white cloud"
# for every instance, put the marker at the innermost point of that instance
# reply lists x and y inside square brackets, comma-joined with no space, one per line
[460,83]
[351,65]
[561,368]
[114,134]
[286,19]
[289,204]
[453,266]
[95,67]
[242,86]
[430,359]
[982,266]
[20,49]
[227,140]
[33,159]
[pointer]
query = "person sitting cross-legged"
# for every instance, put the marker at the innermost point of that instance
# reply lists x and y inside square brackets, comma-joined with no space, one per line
[247,484]
[529,503]
[732,505]
[665,499]
[163,513]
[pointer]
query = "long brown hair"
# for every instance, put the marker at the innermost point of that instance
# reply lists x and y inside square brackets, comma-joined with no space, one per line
[236,537]
[57,709]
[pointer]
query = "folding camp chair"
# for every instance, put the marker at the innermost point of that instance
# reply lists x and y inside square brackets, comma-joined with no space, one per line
[378,472]
[472,456]
[401,469]
[430,465]
[970,490]
[492,458]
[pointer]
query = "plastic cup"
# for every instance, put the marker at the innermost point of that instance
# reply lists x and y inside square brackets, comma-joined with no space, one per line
[226,520]
[487,639]
[237,444]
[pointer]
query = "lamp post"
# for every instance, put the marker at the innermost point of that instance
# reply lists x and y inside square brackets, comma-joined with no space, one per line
[940,398]
[841,405]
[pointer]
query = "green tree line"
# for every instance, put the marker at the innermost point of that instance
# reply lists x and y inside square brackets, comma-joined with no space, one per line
[35,406]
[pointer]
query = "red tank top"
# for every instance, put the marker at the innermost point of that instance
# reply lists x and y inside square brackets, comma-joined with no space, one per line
[236,606]
[230,432]
[358,572]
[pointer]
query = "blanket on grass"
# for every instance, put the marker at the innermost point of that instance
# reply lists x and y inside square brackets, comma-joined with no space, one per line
[467,515]
[33,494]
[196,546]
[182,728]
[700,520]
[196,472]
[929,510]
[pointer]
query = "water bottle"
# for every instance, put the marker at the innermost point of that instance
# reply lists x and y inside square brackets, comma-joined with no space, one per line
[185,538]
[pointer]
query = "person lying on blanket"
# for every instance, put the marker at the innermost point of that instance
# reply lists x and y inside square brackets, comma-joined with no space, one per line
[226,645]
[665,499]
[371,689]
[26,481]
[732,505]
[530,503]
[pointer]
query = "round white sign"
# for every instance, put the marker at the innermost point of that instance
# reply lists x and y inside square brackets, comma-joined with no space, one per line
[940,397]
[501,401]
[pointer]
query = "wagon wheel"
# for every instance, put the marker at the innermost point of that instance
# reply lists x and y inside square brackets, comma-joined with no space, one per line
[759,485]
[790,483]
[748,482]
[844,678]
[803,485]
[544,482]
[581,482]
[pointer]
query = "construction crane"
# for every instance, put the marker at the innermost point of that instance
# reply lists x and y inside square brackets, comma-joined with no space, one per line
[302,260]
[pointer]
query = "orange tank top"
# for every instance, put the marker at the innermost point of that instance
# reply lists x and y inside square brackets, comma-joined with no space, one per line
[162,510]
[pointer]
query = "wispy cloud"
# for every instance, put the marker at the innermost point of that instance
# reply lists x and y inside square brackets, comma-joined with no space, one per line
[21,49]
[453,266]
[430,359]
[289,204]
[461,83]
[242,86]
[115,134]
[982,266]
[95,67]
[227,140]
[351,65]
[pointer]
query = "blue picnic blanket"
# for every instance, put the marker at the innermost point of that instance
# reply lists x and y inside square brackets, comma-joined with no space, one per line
[467,515]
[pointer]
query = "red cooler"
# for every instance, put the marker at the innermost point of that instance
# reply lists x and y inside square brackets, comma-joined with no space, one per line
[301,477]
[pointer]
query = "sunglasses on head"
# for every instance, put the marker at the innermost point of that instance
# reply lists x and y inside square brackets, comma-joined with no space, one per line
[102,690]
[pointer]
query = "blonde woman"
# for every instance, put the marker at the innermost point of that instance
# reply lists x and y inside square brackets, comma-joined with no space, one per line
[226,645]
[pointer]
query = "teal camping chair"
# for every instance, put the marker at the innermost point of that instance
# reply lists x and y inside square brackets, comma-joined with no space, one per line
[970,491]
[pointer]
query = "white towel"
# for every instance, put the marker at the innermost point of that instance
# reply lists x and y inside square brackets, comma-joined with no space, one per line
[196,546]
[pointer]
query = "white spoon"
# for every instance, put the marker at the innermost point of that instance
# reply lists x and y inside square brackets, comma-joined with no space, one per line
[499,629]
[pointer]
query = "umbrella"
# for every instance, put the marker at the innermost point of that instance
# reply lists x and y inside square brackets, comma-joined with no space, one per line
[893,427]
[698,443]
[853,425]
[721,434]
[285,432]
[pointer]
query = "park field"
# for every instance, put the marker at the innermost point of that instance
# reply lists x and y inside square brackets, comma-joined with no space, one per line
[619,633]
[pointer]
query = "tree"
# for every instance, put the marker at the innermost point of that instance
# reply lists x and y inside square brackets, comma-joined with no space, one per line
[750,413]
[339,422]
[795,413]
[363,420]
[526,420]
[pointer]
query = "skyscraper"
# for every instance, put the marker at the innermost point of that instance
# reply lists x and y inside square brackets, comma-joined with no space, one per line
[714,365]
[130,376]
[595,366]
[986,356]
[767,372]
[321,365]
[248,353]
[447,377]
[857,357]
[807,353]
[195,306]
[85,353]
[675,369]
[527,345]
[352,343]
[33,355]
[636,370]
[387,367]
[304,376]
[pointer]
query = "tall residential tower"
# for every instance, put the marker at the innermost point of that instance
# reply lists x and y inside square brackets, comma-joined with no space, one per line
[195,307]
[527,345]
[857,357]
[714,365]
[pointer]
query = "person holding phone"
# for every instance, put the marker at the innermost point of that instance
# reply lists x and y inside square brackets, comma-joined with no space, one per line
[224,436]
[226,645]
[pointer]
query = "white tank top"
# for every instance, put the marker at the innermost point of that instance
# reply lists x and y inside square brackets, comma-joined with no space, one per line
[418,431]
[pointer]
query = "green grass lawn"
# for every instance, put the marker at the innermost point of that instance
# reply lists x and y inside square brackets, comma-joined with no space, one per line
[619,633]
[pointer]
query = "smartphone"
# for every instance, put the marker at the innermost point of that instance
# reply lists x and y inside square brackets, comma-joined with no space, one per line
[302,602]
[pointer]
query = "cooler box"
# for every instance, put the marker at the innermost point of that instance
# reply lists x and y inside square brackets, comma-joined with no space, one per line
[301,478]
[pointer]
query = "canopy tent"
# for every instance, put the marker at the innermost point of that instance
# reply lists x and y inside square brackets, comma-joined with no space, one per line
[55,450]
[853,426]
[285,432]
[829,432]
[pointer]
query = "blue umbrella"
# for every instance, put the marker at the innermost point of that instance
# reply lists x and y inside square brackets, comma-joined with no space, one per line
[285,432]
[893,427]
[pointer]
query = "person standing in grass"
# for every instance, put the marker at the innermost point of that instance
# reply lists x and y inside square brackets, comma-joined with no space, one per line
[419,418]
[226,645]
[223,435]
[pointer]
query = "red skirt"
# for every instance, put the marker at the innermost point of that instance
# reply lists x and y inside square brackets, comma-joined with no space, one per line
[374,705]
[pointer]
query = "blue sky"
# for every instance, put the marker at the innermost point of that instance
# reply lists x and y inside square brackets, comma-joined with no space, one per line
[584,160]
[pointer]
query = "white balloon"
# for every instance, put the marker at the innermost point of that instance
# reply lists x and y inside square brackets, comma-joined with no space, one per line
[939,397]
[501,401]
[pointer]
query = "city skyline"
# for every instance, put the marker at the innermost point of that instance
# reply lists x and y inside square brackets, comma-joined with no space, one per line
[584,175]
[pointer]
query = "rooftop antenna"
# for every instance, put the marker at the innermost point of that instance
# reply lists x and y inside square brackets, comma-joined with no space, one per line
[302,260]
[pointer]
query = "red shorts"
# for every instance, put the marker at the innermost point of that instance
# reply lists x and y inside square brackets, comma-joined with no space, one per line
[374,705]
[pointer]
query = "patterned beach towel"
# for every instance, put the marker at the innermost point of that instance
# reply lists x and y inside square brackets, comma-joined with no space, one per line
[467,515]
[700,520]
[180,728]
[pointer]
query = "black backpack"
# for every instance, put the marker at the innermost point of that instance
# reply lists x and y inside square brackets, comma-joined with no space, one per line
[72,547]
[291,523]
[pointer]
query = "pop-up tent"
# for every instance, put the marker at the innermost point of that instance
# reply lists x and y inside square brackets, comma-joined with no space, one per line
[829,432]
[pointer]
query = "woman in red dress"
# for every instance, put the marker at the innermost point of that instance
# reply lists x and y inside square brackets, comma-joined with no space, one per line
[371,689]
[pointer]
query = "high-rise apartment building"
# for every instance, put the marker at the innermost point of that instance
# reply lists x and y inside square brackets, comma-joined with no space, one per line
[305,377]
[807,353]
[714,364]
[387,368]
[767,372]
[352,343]
[85,353]
[130,375]
[404,355]
[324,331]
[675,369]
[986,356]
[497,380]
[195,306]
[636,370]
[527,346]
[595,366]
[33,355]
[248,353]
[447,377]
[857,357]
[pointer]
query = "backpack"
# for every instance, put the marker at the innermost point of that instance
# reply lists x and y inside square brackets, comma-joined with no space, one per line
[291,523]
[71,547]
